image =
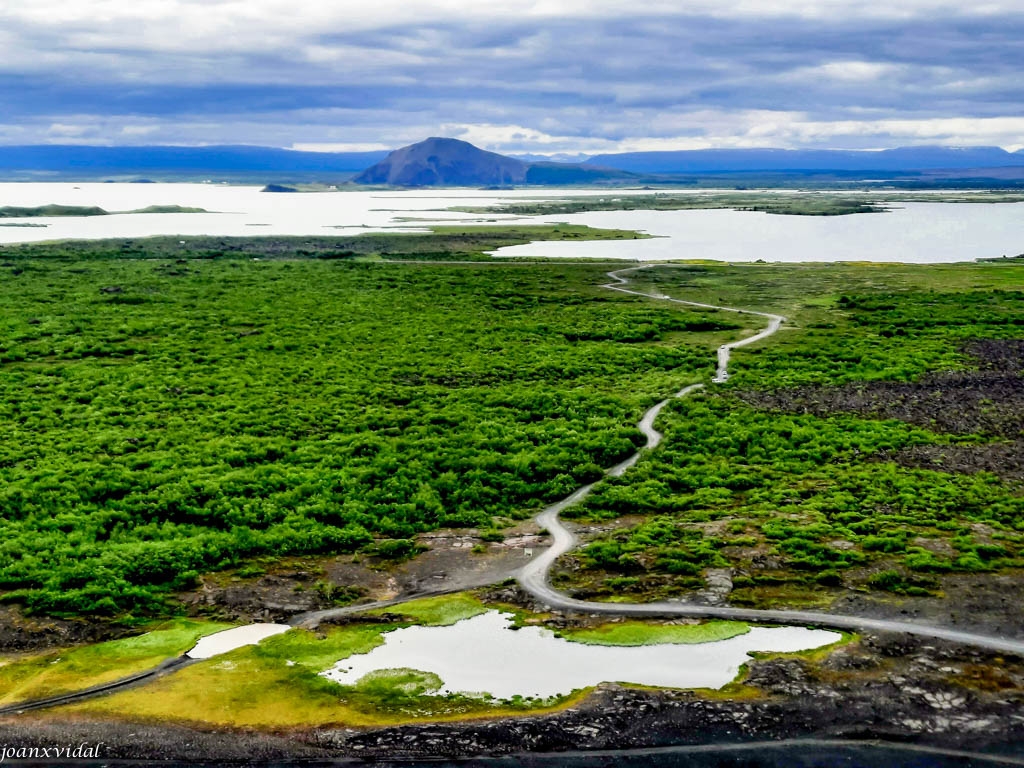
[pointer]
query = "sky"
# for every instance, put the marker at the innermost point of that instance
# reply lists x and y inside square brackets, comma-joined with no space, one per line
[535,76]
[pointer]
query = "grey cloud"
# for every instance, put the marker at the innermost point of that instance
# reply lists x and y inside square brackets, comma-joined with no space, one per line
[594,79]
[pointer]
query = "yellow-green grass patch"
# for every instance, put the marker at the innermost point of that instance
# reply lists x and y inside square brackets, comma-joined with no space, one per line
[441,611]
[811,654]
[73,669]
[635,633]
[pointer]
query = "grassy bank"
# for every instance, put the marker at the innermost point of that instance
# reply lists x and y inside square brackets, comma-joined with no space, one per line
[436,611]
[74,669]
[635,633]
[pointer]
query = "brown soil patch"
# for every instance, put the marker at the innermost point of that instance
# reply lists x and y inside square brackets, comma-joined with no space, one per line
[454,560]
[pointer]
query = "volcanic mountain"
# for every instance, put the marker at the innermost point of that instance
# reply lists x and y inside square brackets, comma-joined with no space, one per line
[438,162]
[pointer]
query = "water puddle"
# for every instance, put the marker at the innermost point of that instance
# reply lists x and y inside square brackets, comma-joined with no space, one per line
[484,655]
[230,639]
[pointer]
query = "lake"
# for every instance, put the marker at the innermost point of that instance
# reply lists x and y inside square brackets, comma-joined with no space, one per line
[909,232]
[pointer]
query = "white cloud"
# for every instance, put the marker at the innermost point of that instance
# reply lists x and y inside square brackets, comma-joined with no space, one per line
[515,137]
[199,18]
[139,130]
[339,147]
[335,131]
[539,75]
[761,128]
[850,71]
[66,130]
[1000,131]
[709,129]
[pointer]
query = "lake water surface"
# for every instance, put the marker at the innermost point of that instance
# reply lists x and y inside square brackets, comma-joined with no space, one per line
[484,655]
[230,639]
[910,232]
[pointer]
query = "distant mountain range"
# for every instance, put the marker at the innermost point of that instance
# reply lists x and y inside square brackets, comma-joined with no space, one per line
[450,162]
[97,161]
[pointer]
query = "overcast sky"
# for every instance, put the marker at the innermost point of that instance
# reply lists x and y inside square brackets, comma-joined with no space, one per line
[513,75]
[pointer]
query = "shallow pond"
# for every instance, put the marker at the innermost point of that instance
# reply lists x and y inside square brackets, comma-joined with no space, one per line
[484,655]
[230,639]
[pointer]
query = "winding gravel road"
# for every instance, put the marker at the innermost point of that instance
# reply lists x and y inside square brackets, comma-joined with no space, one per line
[534,577]
[722,374]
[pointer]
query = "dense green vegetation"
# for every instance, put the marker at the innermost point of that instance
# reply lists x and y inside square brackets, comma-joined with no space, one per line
[223,400]
[162,419]
[798,498]
[811,497]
